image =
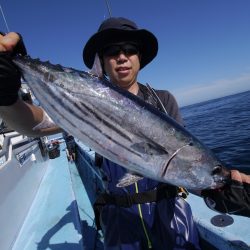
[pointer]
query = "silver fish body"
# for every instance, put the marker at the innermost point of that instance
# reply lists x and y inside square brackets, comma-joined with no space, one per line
[122,127]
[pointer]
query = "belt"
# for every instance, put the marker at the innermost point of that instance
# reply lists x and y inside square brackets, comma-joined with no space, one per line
[161,192]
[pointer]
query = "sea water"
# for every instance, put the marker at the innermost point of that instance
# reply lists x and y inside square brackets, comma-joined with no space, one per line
[223,125]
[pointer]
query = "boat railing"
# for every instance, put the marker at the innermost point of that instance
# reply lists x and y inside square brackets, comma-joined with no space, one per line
[89,173]
[6,152]
[89,159]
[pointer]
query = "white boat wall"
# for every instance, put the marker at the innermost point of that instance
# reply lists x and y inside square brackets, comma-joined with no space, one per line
[44,204]
[22,166]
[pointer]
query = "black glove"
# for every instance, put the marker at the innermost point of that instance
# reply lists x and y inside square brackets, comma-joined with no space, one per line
[234,198]
[10,76]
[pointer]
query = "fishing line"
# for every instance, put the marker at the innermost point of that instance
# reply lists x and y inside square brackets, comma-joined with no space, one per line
[5,21]
[152,91]
[108,7]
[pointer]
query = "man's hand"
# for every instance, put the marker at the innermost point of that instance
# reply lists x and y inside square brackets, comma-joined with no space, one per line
[240,177]
[234,198]
[10,77]
[8,42]
[18,114]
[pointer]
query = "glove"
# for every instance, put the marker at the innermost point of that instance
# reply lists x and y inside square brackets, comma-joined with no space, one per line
[234,198]
[10,76]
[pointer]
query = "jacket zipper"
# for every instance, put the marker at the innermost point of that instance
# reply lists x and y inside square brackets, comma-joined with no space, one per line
[142,221]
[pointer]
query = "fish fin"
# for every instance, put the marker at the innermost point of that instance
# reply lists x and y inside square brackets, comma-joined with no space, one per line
[128,179]
[149,148]
[97,67]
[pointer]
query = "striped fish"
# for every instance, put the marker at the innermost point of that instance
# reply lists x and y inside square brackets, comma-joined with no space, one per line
[122,127]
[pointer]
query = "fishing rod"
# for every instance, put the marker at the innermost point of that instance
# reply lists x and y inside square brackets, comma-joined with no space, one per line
[4,19]
[108,7]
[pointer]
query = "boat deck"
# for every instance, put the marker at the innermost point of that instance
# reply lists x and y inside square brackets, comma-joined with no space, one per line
[235,236]
[61,212]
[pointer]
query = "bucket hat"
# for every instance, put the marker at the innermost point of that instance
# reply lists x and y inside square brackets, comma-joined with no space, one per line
[119,29]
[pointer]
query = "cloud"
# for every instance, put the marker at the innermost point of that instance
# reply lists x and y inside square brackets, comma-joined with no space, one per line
[215,89]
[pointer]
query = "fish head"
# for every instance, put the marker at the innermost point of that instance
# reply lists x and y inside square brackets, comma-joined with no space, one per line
[195,167]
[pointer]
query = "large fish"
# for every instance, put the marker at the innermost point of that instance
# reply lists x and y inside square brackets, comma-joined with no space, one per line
[122,127]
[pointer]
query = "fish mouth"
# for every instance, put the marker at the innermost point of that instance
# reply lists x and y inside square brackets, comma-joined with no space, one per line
[221,175]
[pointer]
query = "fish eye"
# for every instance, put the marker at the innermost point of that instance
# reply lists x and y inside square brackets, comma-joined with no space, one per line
[217,169]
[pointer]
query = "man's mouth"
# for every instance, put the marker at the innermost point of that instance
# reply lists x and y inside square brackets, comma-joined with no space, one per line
[122,69]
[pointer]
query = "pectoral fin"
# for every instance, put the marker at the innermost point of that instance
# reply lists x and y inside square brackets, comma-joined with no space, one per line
[128,179]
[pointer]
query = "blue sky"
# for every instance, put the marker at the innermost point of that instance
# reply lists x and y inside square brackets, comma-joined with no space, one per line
[204,45]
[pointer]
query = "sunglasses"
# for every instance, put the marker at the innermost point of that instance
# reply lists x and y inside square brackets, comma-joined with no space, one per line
[115,49]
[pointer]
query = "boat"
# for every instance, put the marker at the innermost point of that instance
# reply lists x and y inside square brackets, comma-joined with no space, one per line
[43,204]
[47,203]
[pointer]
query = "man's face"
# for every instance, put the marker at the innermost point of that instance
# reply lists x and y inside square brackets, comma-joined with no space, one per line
[122,64]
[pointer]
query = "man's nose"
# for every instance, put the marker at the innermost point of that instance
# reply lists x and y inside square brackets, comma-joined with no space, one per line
[121,56]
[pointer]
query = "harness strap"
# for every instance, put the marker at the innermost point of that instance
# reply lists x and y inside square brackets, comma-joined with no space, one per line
[161,192]
[164,191]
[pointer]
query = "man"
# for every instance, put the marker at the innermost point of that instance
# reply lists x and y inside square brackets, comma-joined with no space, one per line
[144,215]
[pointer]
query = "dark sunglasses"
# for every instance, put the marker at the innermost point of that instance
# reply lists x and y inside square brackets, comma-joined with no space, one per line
[115,49]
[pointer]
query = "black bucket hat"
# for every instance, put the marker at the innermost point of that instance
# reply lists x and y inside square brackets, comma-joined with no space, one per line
[118,30]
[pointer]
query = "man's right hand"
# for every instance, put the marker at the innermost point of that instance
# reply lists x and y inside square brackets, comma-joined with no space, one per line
[10,77]
[21,116]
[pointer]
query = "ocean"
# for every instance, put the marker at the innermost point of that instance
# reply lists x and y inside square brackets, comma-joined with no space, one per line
[223,125]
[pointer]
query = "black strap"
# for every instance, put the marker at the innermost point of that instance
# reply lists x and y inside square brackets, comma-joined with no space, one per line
[161,192]
[164,191]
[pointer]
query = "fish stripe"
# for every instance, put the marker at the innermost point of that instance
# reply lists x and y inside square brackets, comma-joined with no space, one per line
[54,96]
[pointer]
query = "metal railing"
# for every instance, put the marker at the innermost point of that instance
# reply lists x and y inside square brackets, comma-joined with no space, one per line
[6,148]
